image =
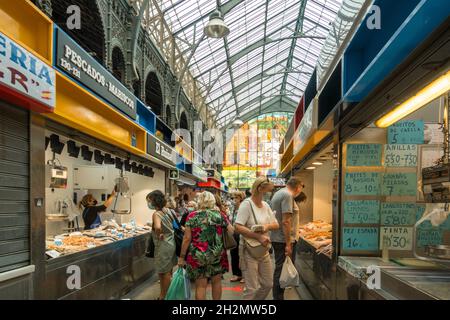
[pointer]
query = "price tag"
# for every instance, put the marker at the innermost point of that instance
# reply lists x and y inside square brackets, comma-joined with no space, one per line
[52,253]
[399,184]
[399,214]
[432,236]
[362,212]
[400,155]
[362,183]
[360,239]
[364,155]
[398,238]
[406,132]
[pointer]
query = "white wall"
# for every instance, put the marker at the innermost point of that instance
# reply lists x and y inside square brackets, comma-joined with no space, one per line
[140,186]
[323,189]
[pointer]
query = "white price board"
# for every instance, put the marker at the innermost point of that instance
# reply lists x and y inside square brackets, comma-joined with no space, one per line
[400,155]
[398,238]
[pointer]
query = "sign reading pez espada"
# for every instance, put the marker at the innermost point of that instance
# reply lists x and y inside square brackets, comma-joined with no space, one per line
[23,72]
[81,66]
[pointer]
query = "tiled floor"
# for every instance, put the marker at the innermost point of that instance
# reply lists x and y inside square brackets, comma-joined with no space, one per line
[230,291]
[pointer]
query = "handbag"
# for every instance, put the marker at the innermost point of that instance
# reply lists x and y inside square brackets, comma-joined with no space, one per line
[253,246]
[150,252]
[178,233]
[229,242]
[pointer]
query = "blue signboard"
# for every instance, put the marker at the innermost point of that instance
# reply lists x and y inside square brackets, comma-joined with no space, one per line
[362,183]
[399,184]
[364,155]
[406,132]
[361,211]
[400,214]
[360,239]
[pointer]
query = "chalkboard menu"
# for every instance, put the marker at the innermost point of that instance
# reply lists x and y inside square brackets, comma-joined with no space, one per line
[399,184]
[361,211]
[364,155]
[406,132]
[360,239]
[362,183]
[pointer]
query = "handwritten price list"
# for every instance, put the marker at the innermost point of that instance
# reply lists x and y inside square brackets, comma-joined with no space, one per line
[362,183]
[399,184]
[400,155]
[364,155]
[400,214]
[406,132]
[360,239]
[362,212]
[397,238]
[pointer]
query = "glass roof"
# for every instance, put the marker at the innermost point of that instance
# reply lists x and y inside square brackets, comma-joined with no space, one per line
[271,51]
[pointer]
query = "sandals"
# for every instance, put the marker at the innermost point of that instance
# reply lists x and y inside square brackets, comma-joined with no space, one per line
[236,279]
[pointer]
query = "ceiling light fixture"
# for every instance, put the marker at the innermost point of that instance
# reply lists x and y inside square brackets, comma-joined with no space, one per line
[434,90]
[216,27]
[310,168]
[317,163]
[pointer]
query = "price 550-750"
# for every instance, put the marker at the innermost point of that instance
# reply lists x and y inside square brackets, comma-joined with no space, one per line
[406,160]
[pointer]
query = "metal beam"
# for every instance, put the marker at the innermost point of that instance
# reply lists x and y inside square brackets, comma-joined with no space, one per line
[272,33]
[230,71]
[224,9]
[135,36]
[298,30]
[264,49]
[172,6]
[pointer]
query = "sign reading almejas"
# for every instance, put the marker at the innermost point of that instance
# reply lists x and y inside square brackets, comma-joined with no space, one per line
[78,64]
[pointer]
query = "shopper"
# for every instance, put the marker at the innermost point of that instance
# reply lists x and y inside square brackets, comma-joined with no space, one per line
[91,210]
[254,221]
[207,257]
[301,198]
[191,207]
[238,197]
[163,237]
[284,239]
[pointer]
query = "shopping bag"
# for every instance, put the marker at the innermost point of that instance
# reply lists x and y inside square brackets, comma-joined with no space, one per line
[289,275]
[178,286]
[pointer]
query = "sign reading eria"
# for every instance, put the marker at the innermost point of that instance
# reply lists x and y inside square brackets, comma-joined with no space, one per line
[23,72]
[78,64]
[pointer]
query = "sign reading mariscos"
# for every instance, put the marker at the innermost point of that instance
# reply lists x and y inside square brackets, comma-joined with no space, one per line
[23,72]
[78,64]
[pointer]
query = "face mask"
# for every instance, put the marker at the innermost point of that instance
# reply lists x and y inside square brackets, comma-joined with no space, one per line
[150,206]
[190,209]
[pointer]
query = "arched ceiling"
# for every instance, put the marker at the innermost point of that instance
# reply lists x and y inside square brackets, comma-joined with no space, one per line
[266,60]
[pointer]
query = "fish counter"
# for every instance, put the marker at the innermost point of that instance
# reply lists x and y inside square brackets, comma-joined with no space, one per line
[104,263]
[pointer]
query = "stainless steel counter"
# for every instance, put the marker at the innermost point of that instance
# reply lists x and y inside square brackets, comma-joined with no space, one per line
[424,281]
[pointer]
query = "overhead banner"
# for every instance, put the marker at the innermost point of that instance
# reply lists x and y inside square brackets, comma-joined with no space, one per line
[160,150]
[22,72]
[81,66]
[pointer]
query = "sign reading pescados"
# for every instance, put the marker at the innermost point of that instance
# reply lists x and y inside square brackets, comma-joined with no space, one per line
[78,64]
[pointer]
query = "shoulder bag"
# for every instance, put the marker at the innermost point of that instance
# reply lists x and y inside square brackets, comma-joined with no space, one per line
[228,237]
[253,246]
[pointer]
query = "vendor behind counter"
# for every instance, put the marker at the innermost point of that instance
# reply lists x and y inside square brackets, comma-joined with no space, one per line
[91,211]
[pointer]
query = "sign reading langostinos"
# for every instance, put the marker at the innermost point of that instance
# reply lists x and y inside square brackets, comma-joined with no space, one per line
[23,72]
[160,150]
[78,64]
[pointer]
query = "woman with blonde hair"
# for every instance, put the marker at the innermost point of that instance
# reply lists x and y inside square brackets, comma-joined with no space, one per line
[207,257]
[254,221]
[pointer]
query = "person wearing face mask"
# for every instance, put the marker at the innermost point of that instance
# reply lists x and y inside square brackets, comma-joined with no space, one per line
[91,211]
[191,207]
[164,239]
[254,221]
[284,239]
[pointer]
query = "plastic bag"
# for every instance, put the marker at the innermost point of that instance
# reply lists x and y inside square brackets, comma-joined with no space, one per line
[180,286]
[289,275]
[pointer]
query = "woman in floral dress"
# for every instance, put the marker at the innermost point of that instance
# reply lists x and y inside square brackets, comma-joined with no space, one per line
[207,257]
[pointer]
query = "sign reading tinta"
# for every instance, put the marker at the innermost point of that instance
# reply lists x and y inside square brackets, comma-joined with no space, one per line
[24,73]
[78,64]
